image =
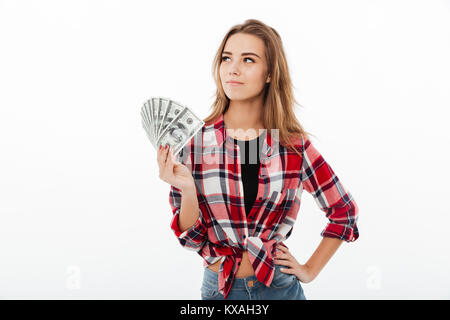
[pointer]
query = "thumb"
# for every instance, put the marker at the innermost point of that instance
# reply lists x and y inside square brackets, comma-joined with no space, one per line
[174,158]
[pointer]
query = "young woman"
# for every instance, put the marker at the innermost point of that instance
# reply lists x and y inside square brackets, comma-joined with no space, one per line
[236,186]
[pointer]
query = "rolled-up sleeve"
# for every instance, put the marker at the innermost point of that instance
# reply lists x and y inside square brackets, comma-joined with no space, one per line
[319,179]
[192,238]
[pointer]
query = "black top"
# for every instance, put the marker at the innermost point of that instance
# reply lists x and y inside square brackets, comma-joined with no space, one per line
[250,163]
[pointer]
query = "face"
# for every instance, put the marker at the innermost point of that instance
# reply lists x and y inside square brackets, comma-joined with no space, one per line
[244,61]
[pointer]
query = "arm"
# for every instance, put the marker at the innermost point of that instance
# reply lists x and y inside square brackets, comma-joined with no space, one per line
[187,222]
[308,271]
[319,179]
[189,212]
[339,206]
[327,247]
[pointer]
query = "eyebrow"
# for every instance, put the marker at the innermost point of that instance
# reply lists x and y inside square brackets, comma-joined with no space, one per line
[243,54]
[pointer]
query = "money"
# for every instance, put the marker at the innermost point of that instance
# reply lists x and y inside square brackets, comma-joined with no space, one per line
[155,110]
[166,121]
[147,120]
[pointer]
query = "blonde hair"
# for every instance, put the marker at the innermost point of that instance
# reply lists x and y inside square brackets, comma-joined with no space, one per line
[278,109]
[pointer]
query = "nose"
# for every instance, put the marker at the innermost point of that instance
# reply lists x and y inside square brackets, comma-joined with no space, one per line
[234,70]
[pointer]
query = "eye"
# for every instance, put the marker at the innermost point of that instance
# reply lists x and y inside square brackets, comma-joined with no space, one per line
[225,57]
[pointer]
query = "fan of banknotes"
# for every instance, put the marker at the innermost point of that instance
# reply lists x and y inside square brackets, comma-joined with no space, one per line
[168,122]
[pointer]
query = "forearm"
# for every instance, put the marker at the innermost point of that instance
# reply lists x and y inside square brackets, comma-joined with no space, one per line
[189,211]
[323,253]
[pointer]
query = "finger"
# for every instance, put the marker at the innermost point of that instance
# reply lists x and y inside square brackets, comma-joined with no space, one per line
[287,270]
[162,157]
[281,261]
[159,158]
[282,248]
[170,155]
[174,158]
[169,162]
[165,168]
[285,263]
[165,153]
[281,255]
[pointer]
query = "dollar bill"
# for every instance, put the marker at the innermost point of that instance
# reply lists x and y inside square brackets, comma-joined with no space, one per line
[164,104]
[180,130]
[172,109]
[147,122]
[155,112]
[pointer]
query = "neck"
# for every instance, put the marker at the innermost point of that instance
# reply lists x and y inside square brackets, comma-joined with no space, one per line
[244,115]
[243,120]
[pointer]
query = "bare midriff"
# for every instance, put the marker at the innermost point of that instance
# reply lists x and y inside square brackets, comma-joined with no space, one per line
[244,270]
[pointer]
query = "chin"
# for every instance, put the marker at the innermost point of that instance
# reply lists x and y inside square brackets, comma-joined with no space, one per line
[234,96]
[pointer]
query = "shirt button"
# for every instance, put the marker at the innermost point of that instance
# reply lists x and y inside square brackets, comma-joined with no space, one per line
[260,198]
[245,236]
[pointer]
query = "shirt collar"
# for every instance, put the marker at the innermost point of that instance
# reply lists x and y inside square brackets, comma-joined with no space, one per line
[221,136]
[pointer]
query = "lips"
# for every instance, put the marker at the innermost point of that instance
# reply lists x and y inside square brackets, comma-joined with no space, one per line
[234,82]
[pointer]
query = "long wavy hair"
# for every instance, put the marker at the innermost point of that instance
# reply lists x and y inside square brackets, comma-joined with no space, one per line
[279,101]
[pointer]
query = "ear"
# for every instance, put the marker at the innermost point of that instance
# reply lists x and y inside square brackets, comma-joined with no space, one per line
[268,79]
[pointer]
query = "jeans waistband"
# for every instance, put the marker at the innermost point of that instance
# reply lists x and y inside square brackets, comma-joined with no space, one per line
[212,278]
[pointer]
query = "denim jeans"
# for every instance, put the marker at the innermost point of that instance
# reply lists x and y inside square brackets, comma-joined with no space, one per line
[283,287]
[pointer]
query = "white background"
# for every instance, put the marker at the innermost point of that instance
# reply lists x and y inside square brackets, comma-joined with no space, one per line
[83,214]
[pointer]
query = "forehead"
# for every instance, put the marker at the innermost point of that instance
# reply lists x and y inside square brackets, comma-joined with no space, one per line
[241,42]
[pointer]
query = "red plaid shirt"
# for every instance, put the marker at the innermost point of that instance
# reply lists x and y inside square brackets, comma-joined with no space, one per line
[223,230]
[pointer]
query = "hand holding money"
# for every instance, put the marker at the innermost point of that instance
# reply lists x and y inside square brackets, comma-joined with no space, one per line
[172,171]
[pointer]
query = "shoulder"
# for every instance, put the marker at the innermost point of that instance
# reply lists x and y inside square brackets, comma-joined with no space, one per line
[298,141]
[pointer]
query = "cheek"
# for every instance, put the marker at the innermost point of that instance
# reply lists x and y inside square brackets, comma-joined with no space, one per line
[255,81]
[256,75]
[222,70]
